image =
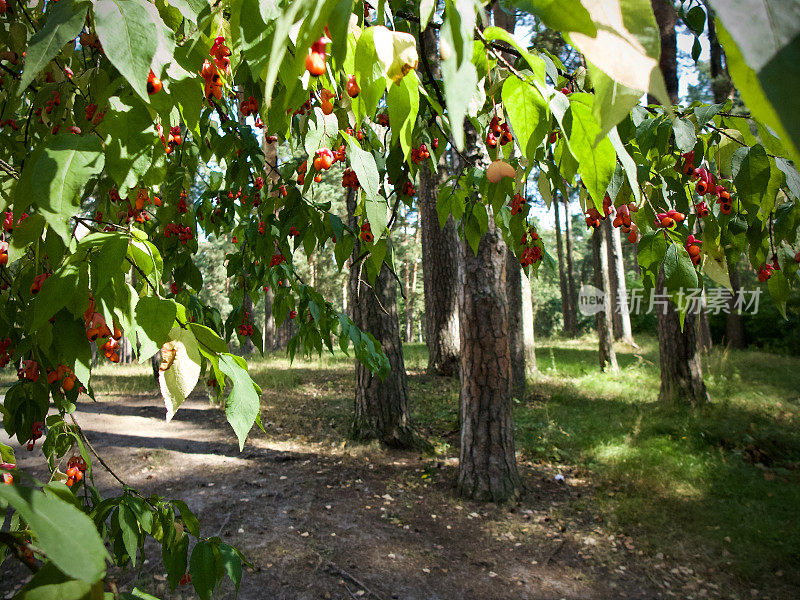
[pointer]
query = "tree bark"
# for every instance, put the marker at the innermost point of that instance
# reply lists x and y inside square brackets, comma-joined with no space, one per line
[269,320]
[734,326]
[721,83]
[703,327]
[681,372]
[602,281]
[381,406]
[613,278]
[273,177]
[487,465]
[527,326]
[411,293]
[617,267]
[571,325]
[667,18]
[562,273]
[516,339]
[440,261]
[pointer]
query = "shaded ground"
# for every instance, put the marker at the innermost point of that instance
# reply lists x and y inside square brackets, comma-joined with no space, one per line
[322,520]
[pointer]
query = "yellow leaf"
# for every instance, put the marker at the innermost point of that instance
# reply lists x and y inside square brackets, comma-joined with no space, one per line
[179,369]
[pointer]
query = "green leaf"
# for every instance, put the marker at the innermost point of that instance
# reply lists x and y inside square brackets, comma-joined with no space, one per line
[695,19]
[56,292]
[243,404]
[596,163]
[176,560]
[130,531]
[762,49]
[373,56]
[403,104]
[60,175]
[208,339]
[751,171]
[131,32]
[154,320]
[628,164]
[232,563]
[25,233]
[427,8]
[179,379]
[779,289]
[564,15]
[129,141]
[627,45]
[188,518]
[51,584]
[107,257]
[685,134]
[458,71]
[535,62]
[527,111]
[64,22]
[650,254]
[203,568]
[679,272]
[65,534]
[612,100]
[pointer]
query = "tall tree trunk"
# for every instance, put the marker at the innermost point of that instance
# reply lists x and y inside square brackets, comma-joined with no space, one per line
[269,320]
[570,325]
[681,372]
[617,264]
[440,261]
[734,326]
[516,338]
[381,406]
[613,278]
[562,273]
[602,281]
[667,18]
[487,461]
[527,325]
[487,464]
[703,326]
[411,293]
[721,83]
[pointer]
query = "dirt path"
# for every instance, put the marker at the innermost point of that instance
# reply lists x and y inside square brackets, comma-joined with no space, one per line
[326,522]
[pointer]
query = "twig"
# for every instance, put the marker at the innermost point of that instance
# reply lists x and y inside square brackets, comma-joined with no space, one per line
[16,549]
[8,169]
[332,569]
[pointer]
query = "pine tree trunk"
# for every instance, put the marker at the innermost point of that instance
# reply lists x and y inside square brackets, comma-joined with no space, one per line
[269,320]
[602,281]
[516,338]
[703,327]
[487,465]
[381,406]
[734,326]
[440,256]
[618,268]
[681,372]
[527,325]
[571,325]
[562,273]
[667,18]
[248,347]
[411,293]
[613,277]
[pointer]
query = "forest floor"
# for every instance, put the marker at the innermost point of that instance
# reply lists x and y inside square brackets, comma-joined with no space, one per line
[655,502]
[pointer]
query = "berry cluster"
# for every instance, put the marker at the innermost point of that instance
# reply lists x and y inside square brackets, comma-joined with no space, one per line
[293,231]
[323,159]
[315,61]
[623,219]
[5,352]
[89,40]
[175,137]
[277,259]
[366,232]
[3,254]
[92,115]
[76,467]
[182,207]
[325,97]
[62,374]
[352,87]
[532,250]
[246,328]
[669,219]
[419,154]
[383,119]
[212,81]
[693,248]
[220,53]
[29,369]
[183,232]
[249,107]
[498,132]
[350,179]
[518,203]
[8,221]
[706,184]
[593,216]
[154,84]
[97,328]
[408,189]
